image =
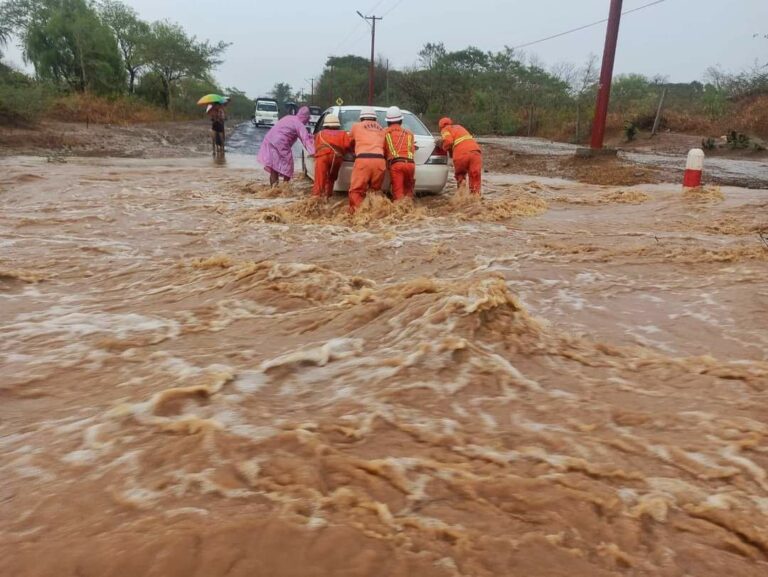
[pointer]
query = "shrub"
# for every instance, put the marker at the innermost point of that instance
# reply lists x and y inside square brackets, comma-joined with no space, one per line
[22,101]
[737,140]
[630,131]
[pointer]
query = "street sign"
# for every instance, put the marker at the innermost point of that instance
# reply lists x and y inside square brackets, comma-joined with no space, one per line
[339,101]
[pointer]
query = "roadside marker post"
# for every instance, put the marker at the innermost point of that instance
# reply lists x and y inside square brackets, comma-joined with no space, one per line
[694,166]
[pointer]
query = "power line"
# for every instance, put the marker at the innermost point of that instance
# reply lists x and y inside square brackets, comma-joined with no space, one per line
[395,5]
[355,29]
[585,26]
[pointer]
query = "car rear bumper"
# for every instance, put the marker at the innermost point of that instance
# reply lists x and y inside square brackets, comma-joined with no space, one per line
[429,178]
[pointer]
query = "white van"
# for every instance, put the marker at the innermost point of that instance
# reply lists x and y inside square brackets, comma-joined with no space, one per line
[266,112]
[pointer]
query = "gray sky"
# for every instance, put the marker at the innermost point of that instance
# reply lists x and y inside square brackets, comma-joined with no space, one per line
[273,42]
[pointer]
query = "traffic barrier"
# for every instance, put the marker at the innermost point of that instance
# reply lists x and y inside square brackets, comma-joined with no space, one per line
[693,169]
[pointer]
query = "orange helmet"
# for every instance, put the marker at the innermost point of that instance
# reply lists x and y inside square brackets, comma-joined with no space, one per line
[445,122]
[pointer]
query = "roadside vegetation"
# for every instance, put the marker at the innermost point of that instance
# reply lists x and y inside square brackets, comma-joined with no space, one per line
[100,62]
[511,93]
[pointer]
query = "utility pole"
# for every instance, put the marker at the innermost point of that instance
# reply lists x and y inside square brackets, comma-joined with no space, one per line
[386,78]
[372,71]
[312,94]
[659,110]
[606,75]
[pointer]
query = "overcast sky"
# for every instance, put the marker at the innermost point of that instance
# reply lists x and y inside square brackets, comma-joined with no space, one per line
[289,42]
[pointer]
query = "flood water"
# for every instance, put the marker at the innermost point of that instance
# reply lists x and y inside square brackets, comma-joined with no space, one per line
[203,376]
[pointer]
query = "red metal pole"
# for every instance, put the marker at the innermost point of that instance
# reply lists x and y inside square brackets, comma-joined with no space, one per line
[373,69]
[606,75]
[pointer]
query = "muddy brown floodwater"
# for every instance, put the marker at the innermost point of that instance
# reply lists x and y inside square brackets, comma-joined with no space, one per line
[202,377]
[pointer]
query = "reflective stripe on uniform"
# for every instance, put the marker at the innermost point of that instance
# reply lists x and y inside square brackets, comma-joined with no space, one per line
[391,145]
[328,145]
[396,149]
[462,139]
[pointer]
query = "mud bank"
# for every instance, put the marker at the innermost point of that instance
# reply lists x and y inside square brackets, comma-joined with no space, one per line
[205,377]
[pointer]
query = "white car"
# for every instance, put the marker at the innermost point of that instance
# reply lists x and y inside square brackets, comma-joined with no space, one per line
[431,161]
[266,112]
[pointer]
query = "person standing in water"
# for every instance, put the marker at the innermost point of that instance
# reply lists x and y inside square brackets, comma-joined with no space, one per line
[331,144]
[275,154]
[467,158]
[399,150]
[370,167]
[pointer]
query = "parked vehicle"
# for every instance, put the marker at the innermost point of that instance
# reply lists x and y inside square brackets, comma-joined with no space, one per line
[431,160]
[266,112]
[314,115]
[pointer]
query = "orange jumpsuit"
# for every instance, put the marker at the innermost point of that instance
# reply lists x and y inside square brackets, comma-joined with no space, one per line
[399,152]
[370,166]
[467,158]
[330,148]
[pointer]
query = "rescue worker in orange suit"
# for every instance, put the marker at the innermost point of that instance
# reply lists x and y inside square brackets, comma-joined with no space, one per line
[370,166]
[331,144]
[399,150]
[467,159]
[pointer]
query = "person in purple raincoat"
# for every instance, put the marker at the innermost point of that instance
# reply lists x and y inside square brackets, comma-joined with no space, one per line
[275,153]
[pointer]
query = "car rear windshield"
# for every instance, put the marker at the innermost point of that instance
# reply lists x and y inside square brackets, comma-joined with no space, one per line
[351,115]
[266,106]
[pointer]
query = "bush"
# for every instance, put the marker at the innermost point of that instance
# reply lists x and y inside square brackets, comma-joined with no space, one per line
[630,131]
[22,101]
[22,105]
[79,107]
[737,140]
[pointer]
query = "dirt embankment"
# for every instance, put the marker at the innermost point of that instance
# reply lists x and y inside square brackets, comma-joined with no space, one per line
[153,140]
[600,170]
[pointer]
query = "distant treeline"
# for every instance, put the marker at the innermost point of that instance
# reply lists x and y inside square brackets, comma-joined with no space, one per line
[104,49]
[508,93]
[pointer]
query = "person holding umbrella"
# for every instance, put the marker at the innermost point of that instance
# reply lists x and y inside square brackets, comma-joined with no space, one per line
[275,154]
[215,104]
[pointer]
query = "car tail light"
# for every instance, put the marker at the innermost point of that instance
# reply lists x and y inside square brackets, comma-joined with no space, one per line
[438,156]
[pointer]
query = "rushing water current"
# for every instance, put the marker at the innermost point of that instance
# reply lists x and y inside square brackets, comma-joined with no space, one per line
[202,376]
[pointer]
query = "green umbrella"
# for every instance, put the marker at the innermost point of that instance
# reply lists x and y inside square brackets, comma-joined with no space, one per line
[212,99]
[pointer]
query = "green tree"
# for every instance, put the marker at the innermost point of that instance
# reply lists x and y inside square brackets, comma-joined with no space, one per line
[240,106]
[67,43]
[131,34]
[632,93]
[173,56]
[282,92]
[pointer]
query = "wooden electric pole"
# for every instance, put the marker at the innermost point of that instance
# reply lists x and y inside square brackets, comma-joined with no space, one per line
[659,110]
[606,75]
[372,71]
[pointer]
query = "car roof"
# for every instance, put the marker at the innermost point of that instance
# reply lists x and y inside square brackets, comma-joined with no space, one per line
[376,108]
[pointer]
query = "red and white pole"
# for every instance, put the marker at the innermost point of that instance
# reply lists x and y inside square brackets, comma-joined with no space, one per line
[693,169]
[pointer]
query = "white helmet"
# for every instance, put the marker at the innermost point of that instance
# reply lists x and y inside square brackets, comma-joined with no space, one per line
[394,114]
[367,113]
[331,121]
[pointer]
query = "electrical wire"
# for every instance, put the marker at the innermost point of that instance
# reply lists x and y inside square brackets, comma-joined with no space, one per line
[355,29]
[571,31]
[395,5]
